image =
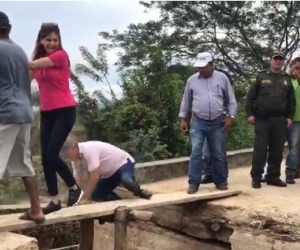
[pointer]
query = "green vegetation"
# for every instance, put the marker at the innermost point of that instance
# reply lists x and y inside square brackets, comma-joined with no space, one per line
[154,64]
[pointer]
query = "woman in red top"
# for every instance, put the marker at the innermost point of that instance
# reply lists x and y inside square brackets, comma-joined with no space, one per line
[51,69]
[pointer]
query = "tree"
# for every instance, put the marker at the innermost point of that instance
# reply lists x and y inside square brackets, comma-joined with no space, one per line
[241,35]
[154,65]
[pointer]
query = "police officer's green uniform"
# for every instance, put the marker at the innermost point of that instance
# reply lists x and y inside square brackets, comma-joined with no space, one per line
[271,101]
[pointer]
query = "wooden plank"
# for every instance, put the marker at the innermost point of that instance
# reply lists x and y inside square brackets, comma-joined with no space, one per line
[121,221]
[11,222]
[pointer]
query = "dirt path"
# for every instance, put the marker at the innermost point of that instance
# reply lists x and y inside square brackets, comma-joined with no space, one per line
[283,202]
[270,212]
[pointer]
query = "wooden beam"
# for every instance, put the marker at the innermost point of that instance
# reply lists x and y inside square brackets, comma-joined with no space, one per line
[86,234]
[121,221]
[11,222]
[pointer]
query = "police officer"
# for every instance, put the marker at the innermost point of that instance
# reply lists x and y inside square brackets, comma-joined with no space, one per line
[270,107]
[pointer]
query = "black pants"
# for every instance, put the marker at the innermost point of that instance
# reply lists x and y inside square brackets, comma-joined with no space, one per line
[269,140]
[55,128]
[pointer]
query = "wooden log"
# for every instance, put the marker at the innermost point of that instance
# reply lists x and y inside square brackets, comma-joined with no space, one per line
[121,221]
[86,234]
[141,215]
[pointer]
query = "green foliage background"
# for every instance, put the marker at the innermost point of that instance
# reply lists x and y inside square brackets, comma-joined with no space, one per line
[144,121]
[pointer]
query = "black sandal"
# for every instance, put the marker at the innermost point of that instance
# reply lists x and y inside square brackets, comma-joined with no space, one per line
[28,216]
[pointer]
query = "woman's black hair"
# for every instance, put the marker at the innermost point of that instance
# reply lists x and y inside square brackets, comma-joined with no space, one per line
[45,30]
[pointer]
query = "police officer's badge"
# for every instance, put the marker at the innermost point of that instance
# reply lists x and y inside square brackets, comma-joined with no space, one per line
[285,84]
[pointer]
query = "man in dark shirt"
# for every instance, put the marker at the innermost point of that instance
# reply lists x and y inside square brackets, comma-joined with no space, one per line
[16,116]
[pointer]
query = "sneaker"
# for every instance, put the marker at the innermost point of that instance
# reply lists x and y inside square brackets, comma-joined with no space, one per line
[290,179]
[145,194]
[256,184]
[192,189]
[276,182]
[51,207]
[207,179]
[74,196]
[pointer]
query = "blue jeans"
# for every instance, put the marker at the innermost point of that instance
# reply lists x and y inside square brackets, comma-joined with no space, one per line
[293,138]
[212,131]
[105,186]
[207,160]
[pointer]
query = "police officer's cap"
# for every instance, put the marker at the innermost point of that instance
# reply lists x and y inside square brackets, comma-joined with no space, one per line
[277,53]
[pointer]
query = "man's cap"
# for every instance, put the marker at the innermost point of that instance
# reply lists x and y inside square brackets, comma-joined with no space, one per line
[277,53]
[203,59]
[4,20]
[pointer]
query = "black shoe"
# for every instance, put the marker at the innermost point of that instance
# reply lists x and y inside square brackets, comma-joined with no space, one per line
[222,186]
[207,179]
[75,196]
[256,184]
[290,179]
[145,194]
[276,182]
[192,189]
[51,207]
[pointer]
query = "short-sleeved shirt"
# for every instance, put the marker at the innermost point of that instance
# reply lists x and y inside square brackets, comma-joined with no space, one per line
[15,91]
[103,156]
[54,83]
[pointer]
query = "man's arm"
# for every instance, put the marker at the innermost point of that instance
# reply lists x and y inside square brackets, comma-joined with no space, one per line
[251,96]
[93,161]
[185,107]
[78,173]
[94,177]
[291,105]
[231,101]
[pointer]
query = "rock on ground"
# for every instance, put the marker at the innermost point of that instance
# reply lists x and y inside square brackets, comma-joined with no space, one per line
[13,241]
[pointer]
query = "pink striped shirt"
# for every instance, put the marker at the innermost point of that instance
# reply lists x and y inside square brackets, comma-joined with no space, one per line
[103,156]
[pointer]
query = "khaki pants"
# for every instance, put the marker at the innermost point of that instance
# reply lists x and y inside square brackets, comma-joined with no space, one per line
[15,156]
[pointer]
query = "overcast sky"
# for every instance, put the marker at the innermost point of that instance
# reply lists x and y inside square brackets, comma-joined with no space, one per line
[79,22]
